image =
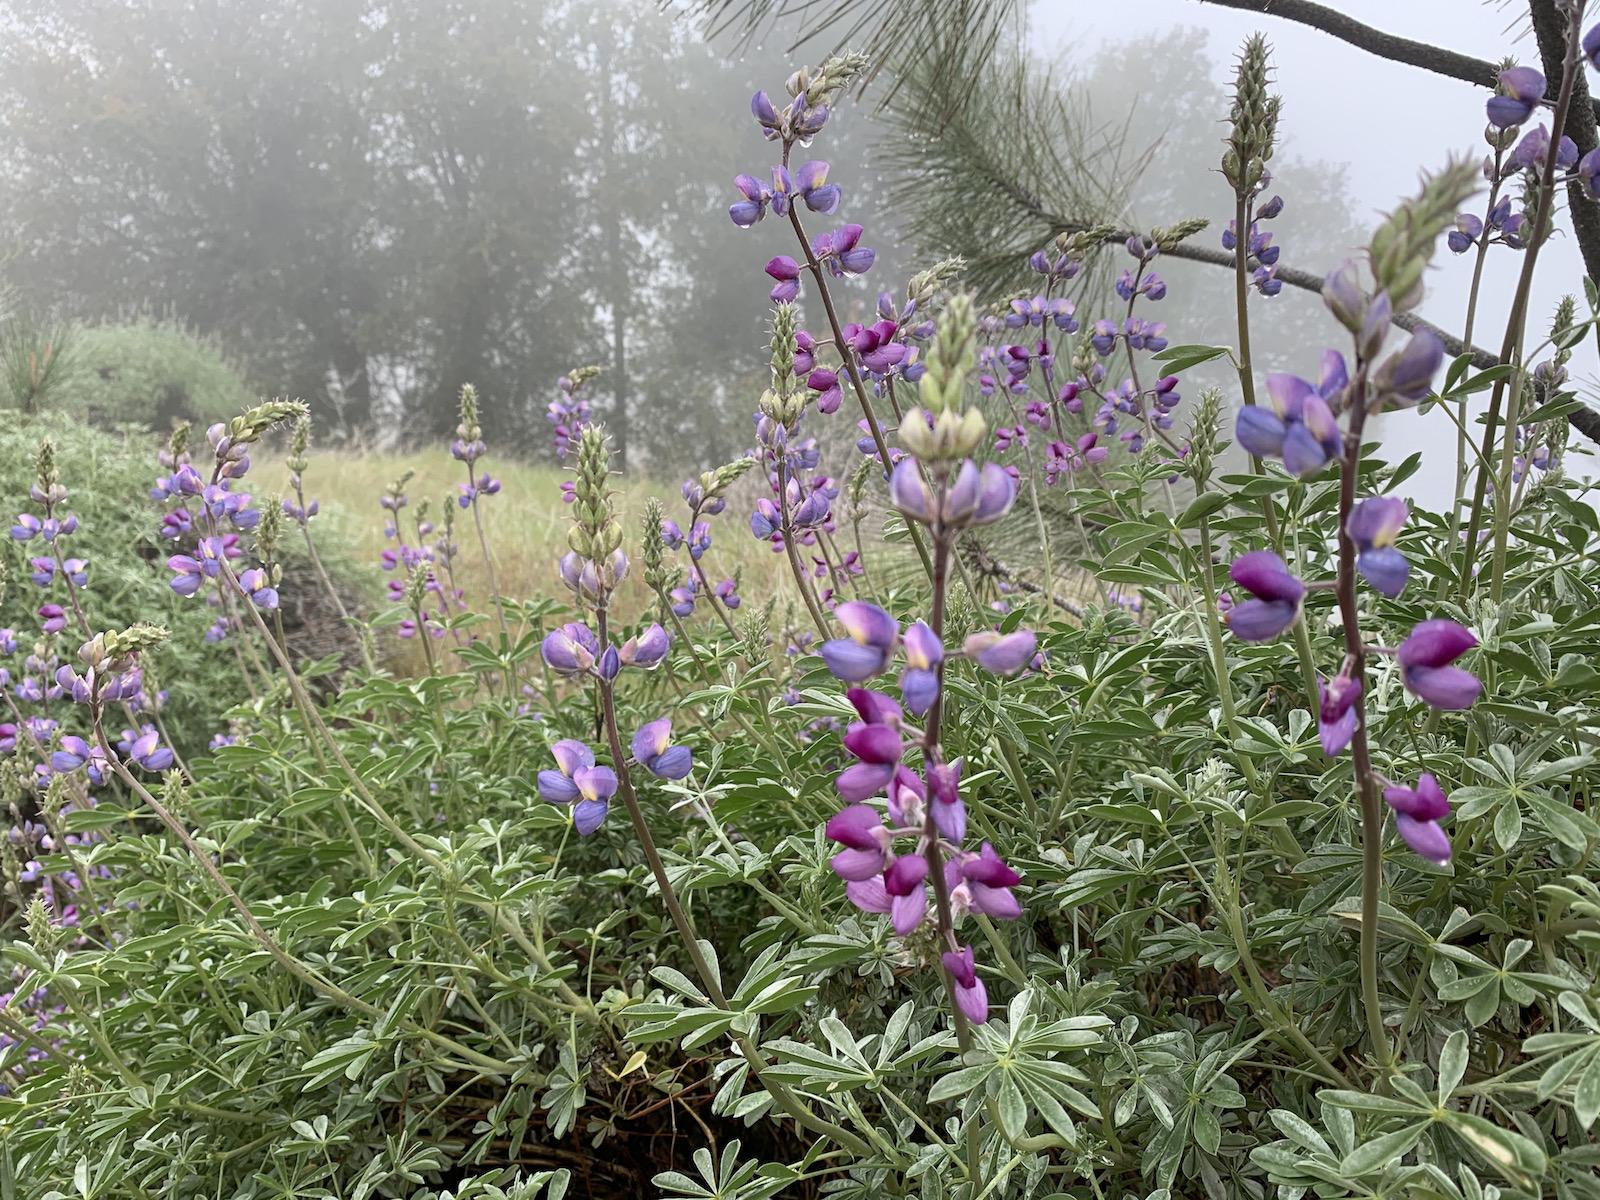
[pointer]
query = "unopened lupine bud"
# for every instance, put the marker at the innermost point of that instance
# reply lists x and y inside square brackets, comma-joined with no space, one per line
[468,428]
[1253,118]
[652,548]
[299,443]
[416,587]
[950,356]
[1403,245]
[251,424]
[784,325]
[1203,432]
[925,285]
[1168,238]
[945,437]
[269,532]
[42,932]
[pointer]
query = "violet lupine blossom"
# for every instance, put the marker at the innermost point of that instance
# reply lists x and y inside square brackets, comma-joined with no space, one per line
[728,593]
[1417,813]
[919,681]
[653,750]
[1337,713]
[1591,47]
[1277,596]
[787,273]
[976,496]
[144,749]
[1373,527]
[570,650]
[53,618]
[578,782]
[647,649]
[1406,376]
[971,996]
[1001,653]
[840,252]
[1504,226]
[569,413]
[1300,427]
[189,571]
[1426,659]
[866,652]
[1521,90]
[253,583]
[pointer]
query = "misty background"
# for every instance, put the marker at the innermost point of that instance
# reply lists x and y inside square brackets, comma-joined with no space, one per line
[368,203]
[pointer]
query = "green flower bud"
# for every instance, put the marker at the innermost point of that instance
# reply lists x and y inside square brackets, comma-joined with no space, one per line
[468,429]
[299,443]
[1403,245]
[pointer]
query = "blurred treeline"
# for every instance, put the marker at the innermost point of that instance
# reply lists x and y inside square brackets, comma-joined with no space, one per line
[367,202]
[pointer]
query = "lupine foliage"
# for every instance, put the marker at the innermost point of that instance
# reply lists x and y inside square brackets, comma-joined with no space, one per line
[1248,854]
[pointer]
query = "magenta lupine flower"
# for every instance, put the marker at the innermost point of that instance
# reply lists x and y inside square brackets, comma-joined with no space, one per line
[1425,664]
[1277,593]
[1418,812]
[647,650]
[971,997]
[1001,653]
[1521,89]
[1373,526]
[1299,427]
[862,833]
[919,681]
[1337,713]
[53,616]
[982,883]
[869,646]
[653,750]
[839,251]
[787,272]
[570,650]
[904,883]
[878,749]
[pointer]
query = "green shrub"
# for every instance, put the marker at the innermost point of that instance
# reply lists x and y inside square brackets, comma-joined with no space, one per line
[108,475]
[151,373]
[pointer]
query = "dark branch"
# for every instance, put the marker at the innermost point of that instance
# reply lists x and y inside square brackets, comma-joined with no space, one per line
[1398,49]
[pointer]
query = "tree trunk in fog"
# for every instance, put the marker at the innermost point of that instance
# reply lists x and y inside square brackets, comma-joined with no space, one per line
[355,386]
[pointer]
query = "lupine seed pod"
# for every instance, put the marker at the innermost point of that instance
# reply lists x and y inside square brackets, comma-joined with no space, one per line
[1403,245]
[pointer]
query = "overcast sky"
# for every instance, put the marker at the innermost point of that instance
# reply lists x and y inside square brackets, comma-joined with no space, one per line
[1384,119]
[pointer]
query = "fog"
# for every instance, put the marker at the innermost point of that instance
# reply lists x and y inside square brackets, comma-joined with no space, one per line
[368,204]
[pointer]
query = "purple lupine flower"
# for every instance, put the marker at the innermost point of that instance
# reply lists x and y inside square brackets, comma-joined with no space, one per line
[971,997]
[1373,526]
[919,682]
[766,115]
[1465,235]
[647,650]
[570,650]
[596,786]
[766,522]
[557,786]
[1277,596]
[53,616]
[1001,653]
[253,583]
[146,751]
[1407,375]
[1591,47]
[653,750]
[812,181]
[1300,427]
[787,272]
[728,592]
[861,831]
[1337,713]
[1425,664]
[1521,90]
[869,646]
[683,597]
[71,753]
[1418,812]
[840,252]
[753,207]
